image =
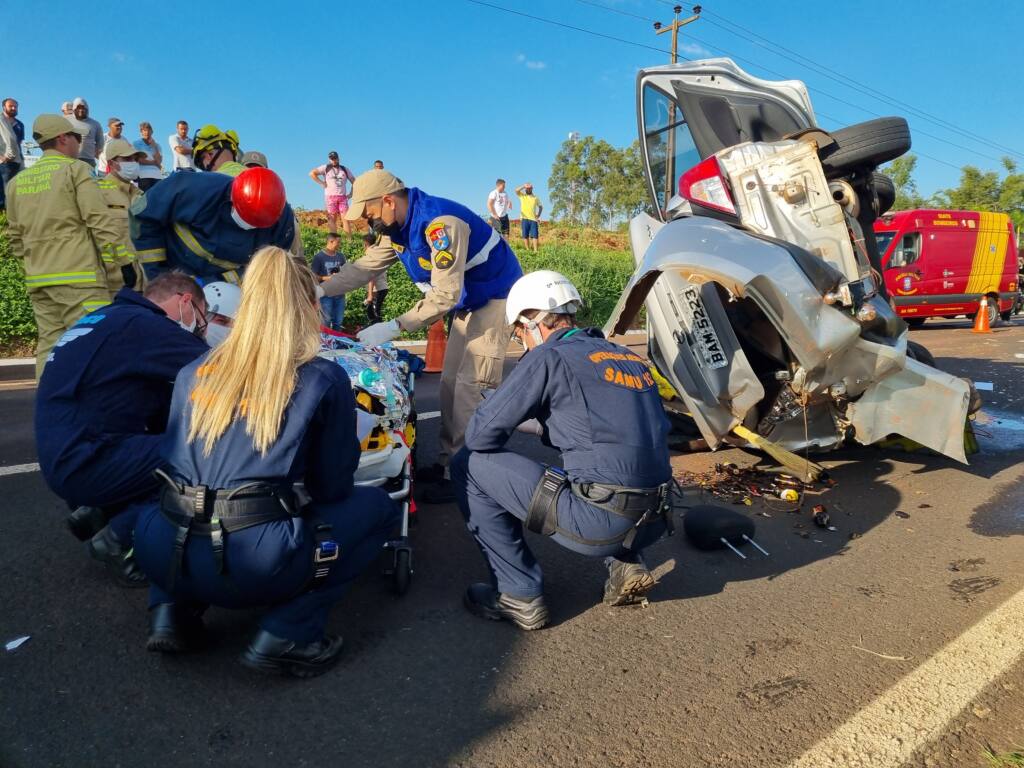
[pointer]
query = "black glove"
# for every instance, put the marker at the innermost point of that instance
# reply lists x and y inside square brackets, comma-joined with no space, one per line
[129,276]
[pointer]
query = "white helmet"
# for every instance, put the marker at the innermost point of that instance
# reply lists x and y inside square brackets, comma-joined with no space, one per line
[222,299]
[548,291]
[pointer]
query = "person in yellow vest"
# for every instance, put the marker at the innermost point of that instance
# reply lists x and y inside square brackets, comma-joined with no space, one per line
[216,150]
[122,162]
[530,219]
[62,230]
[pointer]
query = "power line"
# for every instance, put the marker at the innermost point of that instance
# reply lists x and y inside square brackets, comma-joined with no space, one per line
[570,26]
[615,10]
[845,80]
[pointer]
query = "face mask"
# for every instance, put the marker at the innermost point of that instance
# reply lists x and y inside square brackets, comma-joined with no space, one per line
[392,230]
[191,328]
[215,334]
[239,220]
[128,170]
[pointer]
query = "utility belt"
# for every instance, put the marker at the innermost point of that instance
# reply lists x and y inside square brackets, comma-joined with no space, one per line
[215,512]
[642,506]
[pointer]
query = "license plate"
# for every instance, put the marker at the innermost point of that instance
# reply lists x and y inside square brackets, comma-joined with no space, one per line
[703,332]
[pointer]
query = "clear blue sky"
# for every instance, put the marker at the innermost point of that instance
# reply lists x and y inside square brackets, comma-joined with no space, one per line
[450,94]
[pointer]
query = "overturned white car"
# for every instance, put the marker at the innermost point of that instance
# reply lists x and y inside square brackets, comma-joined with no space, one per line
[764,303]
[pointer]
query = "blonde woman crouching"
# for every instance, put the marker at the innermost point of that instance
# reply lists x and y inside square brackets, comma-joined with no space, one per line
[250,420]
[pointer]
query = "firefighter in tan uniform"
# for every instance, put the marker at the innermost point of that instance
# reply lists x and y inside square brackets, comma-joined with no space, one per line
[119,192]
[61,229]
[464,269]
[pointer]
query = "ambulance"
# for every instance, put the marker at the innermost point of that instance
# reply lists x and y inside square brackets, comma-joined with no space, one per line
[940,263]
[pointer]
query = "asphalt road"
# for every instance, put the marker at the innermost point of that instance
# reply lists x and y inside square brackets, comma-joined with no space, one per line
[732,663]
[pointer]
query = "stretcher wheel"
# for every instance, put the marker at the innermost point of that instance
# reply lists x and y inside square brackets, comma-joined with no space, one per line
[402,575]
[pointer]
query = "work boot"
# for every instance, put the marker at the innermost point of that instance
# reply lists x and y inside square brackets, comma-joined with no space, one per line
[172,630]
[441,492]
[485,601]
[432,474]
[86,522]
[627,582]
[108,549]
[269,653]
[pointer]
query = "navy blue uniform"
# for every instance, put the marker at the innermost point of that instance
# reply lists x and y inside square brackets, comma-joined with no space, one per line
[268,564]
[185,223]
[600,407]
[102,403]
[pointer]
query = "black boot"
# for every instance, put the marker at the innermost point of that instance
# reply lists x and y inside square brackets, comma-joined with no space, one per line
[172,630]
[269,653]
[627,583]
[485,601]
[86,522]
[108,549]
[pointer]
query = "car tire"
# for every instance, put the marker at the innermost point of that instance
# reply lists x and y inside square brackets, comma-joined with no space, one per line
[914,322]
[920,353]
[865,145]
[885,190]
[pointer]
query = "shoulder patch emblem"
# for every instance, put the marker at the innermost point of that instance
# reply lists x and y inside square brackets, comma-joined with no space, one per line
[424,263]
[437,234]
[443,260]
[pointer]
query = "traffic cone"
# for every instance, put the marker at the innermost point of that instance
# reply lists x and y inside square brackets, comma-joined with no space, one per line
[981,320]
[437,343]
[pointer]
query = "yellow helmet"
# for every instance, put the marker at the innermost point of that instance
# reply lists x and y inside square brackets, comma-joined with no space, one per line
[212,137]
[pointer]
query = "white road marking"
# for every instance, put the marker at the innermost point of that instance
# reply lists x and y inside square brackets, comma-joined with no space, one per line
[17,469]
[917,709]
[427,415]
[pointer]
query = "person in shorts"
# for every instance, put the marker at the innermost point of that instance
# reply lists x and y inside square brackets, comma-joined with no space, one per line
[336,179]
[530,219]
[326,264]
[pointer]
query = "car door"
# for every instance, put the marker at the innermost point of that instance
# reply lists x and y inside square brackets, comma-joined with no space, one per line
[687,112]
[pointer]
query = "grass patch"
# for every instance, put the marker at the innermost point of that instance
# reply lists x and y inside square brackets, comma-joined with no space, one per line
[1012,759]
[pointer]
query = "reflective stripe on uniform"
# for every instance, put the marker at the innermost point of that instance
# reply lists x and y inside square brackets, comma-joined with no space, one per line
[231,276]
[94,305]
[481,256]
[151,255]
[59,278]
[190,242]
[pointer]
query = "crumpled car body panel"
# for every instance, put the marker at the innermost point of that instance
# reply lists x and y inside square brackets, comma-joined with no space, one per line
[689,270]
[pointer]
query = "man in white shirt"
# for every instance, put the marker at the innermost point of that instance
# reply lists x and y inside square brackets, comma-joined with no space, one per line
[499,206]
[181,149]
[115,129]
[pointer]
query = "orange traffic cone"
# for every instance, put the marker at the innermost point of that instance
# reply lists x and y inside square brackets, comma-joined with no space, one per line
[437,343]
[981,324]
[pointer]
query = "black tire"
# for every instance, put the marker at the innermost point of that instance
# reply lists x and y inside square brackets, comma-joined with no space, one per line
[914,322]
[1005,316]
[920,353]
[885,190]
[402,576]
[865,145]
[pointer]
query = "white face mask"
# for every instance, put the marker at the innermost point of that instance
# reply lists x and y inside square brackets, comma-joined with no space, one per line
[181,317]
[216,334]
[239,220]
[128,170]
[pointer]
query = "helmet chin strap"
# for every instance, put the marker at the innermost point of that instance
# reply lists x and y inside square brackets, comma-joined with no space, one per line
[533,326]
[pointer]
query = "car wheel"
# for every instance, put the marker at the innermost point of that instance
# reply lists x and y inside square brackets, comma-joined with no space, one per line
[920,353]
[914,322]
[1006,315]
[865,145]
[885,190]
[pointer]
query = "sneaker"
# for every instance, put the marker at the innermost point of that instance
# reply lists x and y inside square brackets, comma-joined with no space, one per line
[269,653]
[627,582]
[485,601]
[109,550]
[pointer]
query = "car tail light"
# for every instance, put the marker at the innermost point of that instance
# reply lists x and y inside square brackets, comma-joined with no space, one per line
[705,185]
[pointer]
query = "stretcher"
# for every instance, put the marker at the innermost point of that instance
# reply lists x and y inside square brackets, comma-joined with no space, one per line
[383,384]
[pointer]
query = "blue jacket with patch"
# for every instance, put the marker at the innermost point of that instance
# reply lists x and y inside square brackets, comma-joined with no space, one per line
[599,406]
[491,265]
[109,376]
[185,223]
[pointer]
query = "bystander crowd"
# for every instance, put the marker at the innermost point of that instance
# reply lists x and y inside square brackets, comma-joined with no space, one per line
[90,131]
[12,133]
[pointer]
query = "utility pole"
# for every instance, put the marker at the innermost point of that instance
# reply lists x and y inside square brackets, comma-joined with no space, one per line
[670,159]
[675,26]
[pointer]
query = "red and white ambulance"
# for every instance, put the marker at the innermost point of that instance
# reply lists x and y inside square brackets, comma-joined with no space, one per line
[940,263]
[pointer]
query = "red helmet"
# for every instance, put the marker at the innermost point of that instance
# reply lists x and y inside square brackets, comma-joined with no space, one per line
[257,195]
